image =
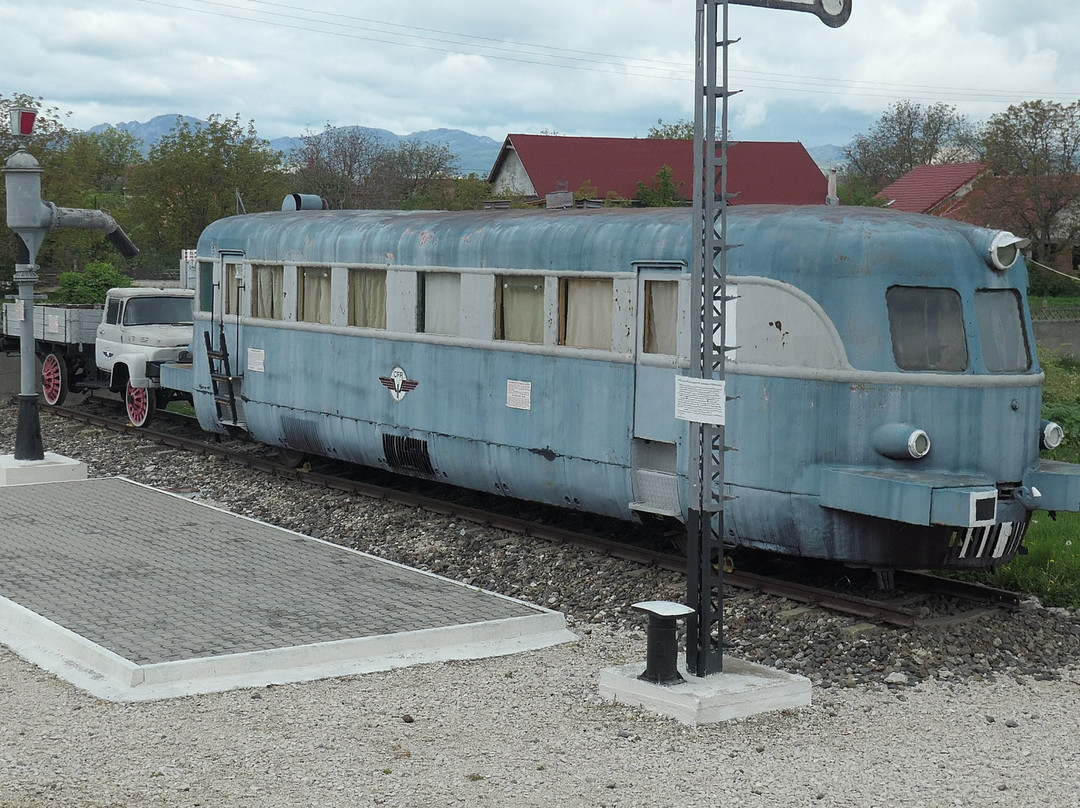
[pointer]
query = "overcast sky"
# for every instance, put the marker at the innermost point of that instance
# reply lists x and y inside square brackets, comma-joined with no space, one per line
[576,67]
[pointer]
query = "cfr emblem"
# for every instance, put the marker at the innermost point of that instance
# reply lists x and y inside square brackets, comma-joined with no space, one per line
[398,383]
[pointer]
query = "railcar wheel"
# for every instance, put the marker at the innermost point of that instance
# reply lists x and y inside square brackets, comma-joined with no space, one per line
[141,404]
[290,458]
[54,380]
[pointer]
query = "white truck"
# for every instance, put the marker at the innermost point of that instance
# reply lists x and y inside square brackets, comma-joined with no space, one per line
[119,346]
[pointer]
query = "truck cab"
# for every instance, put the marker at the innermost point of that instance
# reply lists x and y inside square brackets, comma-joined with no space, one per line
[140,329]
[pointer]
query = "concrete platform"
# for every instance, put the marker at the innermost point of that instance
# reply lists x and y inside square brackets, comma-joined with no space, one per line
[53,469]
[743,689]
[133,593]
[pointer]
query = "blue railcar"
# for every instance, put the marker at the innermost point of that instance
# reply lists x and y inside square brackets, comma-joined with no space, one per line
[887,391]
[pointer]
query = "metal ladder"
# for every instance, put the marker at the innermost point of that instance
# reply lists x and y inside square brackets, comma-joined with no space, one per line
[221,376]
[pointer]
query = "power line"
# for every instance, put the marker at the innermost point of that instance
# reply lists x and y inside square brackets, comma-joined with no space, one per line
[439,40]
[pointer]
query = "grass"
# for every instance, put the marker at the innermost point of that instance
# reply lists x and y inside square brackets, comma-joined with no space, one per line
[1051,569]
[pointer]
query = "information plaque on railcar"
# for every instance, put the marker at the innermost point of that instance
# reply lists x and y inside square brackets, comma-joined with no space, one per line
[702,401]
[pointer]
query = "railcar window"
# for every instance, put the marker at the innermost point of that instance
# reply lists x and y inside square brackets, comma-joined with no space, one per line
[585,306]
[267,291]
[661,317]
[519,308]
[234,282]
[206,286]
[1001,331]
[439,309]
[927,328]
[313,294]
[367,298]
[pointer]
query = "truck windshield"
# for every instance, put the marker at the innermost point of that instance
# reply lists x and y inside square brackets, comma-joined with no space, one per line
[158,311]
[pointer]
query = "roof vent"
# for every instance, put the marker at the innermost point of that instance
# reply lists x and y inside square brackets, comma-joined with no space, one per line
[304,202]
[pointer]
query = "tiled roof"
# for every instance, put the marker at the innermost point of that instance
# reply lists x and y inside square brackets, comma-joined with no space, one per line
[775,173]
[929,189]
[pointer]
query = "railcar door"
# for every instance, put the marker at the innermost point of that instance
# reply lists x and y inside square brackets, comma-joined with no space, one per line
[223,340]
[662,295]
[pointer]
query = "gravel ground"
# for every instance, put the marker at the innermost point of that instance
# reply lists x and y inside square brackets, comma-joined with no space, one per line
[979,713]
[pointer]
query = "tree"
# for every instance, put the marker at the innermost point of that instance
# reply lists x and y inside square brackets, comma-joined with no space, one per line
[352,167]
[908,135]
[194,175]
[680,130]
[338,164]
[410,171]
[459,193]
[1034,149]
[664,192]
[91,284]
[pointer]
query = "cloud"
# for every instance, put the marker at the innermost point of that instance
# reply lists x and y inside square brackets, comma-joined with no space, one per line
[602,67]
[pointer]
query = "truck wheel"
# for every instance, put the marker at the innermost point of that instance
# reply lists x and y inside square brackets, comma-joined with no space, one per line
[141,404]
[54,380]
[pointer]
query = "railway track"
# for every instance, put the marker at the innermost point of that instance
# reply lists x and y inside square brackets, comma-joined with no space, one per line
[898,612]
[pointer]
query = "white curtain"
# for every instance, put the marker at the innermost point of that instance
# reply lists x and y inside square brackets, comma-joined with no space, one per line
[367,298]
[314,294]
[233,279]
[661,317]
[521,308]
[268,291]
[587,314]
[442,303]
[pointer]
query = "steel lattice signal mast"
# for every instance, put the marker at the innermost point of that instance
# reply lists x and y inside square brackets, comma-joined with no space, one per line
[701,397]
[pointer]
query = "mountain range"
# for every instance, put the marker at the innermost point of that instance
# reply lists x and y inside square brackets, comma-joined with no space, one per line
[475,153]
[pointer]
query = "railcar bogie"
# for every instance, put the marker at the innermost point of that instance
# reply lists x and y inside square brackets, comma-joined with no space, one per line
[887,391]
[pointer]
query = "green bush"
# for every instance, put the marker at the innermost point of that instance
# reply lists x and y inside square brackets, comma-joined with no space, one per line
[90,285]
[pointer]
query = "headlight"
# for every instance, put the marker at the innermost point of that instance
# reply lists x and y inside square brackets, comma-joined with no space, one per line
[1005,249]
[1050,435]
[901,442]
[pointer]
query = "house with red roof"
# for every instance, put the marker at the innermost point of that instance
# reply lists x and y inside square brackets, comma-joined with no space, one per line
[933,189]
[758,173]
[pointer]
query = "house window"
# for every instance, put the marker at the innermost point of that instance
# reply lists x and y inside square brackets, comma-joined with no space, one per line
[927,328]
[519,308]
[267,291]
[661,317]
[1001,331]
[439,303]
[585,307]
[367,298]
[313,294]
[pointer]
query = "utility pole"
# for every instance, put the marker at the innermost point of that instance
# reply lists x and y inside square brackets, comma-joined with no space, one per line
[701,396]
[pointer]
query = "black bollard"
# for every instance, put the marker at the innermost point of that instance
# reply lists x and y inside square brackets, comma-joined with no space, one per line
[662,647]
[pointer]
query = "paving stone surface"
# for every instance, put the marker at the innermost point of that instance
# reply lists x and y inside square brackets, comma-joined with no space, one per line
[157,578]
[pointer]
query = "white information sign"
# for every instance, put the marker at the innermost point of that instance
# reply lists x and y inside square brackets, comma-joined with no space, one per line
[256,360]
[52,323]
[19,313]
[518,394]
[703,401]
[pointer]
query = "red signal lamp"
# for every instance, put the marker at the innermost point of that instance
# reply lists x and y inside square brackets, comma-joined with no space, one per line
[22,121]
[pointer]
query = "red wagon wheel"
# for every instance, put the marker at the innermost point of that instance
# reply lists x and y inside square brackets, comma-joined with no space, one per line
[141,405]
[54,380]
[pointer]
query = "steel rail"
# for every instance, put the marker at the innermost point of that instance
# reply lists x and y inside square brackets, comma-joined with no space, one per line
[865,608]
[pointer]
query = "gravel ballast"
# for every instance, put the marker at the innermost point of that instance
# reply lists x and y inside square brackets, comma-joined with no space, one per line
[978,713]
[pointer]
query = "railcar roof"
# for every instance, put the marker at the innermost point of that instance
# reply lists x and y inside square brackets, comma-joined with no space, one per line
[810,239]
